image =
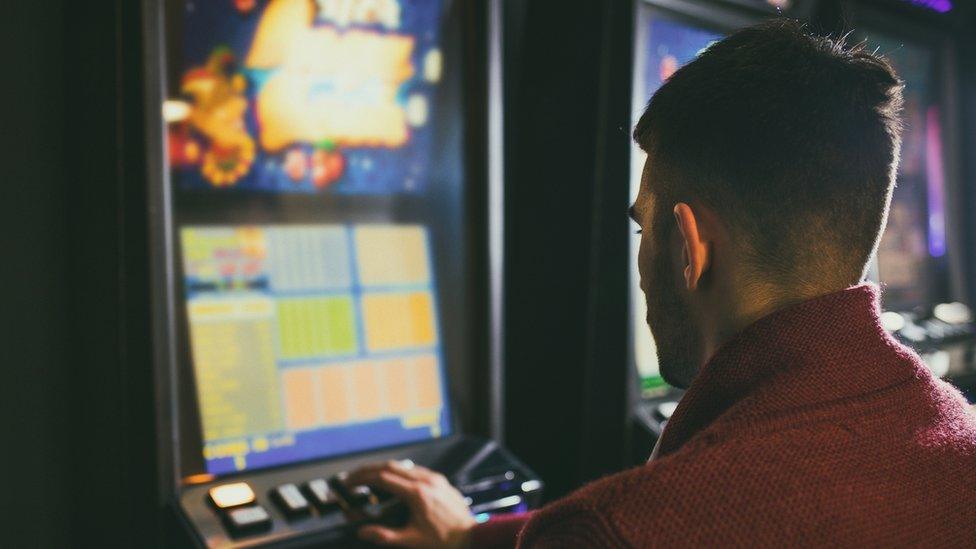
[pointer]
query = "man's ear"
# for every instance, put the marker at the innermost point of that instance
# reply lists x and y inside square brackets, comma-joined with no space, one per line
[695,253]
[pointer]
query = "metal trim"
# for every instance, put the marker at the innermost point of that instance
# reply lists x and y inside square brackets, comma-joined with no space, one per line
[496,220]
[159,204]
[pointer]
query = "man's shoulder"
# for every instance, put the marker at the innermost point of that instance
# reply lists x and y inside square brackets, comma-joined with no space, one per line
[813,480]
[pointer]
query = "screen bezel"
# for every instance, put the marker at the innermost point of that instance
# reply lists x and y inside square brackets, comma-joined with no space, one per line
[798,9]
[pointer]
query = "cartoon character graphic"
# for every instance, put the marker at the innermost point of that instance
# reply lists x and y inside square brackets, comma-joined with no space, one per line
[218,108]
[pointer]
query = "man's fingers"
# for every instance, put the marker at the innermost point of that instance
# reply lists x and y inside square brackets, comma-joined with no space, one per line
[360,475]
[381,535]
[404,468]
[403,488]
[407,468]
[400,487]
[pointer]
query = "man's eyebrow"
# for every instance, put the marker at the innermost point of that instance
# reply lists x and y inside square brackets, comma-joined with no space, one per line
[632,213]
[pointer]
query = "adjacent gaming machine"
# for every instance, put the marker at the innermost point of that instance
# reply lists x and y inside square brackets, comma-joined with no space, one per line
[320,248]
[920,260]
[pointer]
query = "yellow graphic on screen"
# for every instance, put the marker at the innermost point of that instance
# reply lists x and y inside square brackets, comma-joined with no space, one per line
[398,320]
[392,255]
[224,257]
[234,359]
[328,84]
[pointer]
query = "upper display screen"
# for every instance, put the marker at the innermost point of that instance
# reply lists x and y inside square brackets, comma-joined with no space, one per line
[663,46]
[303,96]
[312,341]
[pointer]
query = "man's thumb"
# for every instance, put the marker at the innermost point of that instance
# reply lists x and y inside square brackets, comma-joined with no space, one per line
[382,535]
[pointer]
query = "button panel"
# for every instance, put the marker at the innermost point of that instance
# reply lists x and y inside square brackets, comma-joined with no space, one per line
[244,520]
[291,500]
[226,496]
[362,495]
[466,461]
[321,495]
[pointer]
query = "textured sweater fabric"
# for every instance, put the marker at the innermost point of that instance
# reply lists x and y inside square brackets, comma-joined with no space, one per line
[812,427]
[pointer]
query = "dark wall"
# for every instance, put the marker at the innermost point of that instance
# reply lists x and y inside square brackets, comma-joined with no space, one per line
[113,431]
[35,384]
[566,192]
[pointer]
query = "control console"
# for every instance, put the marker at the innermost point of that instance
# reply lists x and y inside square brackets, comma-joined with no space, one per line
[312,505]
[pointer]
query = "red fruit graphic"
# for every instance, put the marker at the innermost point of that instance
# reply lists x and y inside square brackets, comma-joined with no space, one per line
[327,166]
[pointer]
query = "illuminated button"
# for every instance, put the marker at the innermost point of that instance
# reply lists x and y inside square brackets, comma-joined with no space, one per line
[291,500]
[248,519]
[321,494]
[666,409]
[231,495]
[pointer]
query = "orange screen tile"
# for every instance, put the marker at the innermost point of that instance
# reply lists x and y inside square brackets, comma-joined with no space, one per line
[334,388]
[399,321]
[427,382]
[399,385]
[300,412]
[368,399]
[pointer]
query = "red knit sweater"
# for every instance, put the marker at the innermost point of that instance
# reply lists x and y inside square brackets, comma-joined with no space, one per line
[811,427]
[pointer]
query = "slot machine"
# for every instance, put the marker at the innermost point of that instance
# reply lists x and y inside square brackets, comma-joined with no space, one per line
[920,262]
[320,250]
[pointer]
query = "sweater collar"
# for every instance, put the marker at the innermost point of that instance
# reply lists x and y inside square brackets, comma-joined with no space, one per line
[824,349]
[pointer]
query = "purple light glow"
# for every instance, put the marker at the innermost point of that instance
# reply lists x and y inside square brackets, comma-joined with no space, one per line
[941,6]
[936,182]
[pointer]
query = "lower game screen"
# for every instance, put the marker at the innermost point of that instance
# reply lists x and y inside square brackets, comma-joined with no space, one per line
[311,341]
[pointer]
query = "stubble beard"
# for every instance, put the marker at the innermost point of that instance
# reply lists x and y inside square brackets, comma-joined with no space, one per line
[670,324]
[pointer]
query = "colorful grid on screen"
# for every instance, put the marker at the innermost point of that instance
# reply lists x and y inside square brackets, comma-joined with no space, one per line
[299,328]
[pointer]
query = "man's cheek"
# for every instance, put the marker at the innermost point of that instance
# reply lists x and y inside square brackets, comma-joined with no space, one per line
[643,256]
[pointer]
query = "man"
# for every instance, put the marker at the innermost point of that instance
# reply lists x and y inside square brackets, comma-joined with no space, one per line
[770,167]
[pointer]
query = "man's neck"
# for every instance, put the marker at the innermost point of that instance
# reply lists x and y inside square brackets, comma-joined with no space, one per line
[753,304]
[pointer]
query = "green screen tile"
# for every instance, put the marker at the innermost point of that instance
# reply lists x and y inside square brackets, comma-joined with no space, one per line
[316,327]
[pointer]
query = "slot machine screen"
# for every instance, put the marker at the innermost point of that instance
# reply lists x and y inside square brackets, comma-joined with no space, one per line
[310,341]
[317,228]
[663,45]
[911,258]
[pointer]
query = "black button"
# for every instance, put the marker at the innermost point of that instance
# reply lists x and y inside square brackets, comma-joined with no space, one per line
[362,495]
[244,520]
[290,499]
[321,494]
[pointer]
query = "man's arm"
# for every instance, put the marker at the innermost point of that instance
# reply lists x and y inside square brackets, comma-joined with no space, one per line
[568,524]
[439,516]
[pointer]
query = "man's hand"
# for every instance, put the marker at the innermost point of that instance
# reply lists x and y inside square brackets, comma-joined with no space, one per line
[439,516]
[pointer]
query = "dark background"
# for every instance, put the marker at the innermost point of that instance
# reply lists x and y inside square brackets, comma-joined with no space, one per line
[77,393]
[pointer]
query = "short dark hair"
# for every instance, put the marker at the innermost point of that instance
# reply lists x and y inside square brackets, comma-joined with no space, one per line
[791,138]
